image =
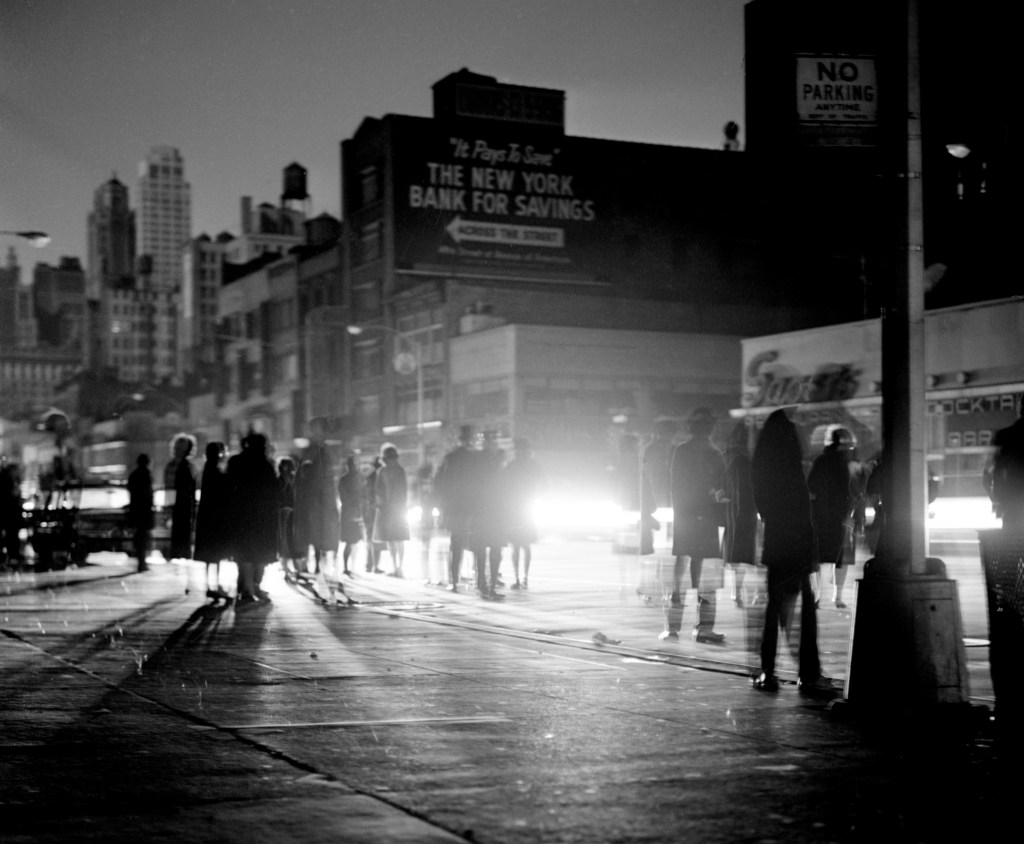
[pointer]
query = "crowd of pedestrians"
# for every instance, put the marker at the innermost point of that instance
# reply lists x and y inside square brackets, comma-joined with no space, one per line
[752,511]
[255,510]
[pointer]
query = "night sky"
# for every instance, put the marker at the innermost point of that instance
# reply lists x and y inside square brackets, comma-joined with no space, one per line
[245,87]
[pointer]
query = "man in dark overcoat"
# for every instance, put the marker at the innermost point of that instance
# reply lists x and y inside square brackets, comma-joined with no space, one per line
[696,478]
[455,485]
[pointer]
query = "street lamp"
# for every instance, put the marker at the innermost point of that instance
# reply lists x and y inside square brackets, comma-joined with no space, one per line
[405,363]
[37,239]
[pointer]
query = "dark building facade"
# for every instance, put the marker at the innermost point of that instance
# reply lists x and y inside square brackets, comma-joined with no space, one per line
[825,136]
[489,208]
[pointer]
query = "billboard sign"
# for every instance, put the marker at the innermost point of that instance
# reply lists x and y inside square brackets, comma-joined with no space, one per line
[536,205]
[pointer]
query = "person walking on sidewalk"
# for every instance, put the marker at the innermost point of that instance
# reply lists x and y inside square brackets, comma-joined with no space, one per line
[523,480]
[391,492]
[455,485]
[696,477]
[784,502]
[213,523]
[140,508]
[831,486]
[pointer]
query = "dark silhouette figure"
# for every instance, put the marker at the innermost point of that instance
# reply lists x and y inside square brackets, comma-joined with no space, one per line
[213,520]
[316,503]
[1008,474]
[180,476]
[140,508]
[252,484]
[831,486]
[350,494]
[391,494]
[489,531]
[286,546]
[369,506]
[456,485]
[739,544]
[522,480]
[10,511]
[697,477]
[784,502]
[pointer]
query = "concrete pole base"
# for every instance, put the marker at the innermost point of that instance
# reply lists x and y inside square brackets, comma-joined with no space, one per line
[908,647]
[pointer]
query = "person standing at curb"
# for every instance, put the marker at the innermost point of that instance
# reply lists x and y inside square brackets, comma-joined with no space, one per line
[140,508]
[180,475]
[489,523]
[455,485]
[350,494]
[784,502]
[316,505]
[212,520]
[830,483]
[252,483]
[739,544]
[391,492]
[696,477]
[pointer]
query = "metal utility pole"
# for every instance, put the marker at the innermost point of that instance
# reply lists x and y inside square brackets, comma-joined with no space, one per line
[907,651]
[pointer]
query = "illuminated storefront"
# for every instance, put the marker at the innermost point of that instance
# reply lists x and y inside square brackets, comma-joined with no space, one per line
[974,367]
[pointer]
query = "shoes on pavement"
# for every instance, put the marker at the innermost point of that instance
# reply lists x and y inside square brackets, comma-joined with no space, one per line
[766,682]
[246,601]
[840,604]
[516,586]
[453,588]
[708,637]
[525,583]
[668,634]
[263,595]
[820,687]
[675,600]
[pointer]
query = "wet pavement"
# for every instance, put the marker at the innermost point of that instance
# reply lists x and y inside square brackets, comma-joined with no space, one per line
[132,709]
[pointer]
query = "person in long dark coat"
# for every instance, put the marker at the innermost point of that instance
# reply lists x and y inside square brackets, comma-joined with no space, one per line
[252,483]
[180,475]
[696,477]
[739,544]
[455,485]
[369,508]
[784,502]
[391,493]
[213,519]
[831,485]
[350,494]
[140,508]
[489,528]
[1008,474]
[286,547]
[316,503]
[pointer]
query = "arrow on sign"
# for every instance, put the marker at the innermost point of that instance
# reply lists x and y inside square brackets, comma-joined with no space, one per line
[504,233]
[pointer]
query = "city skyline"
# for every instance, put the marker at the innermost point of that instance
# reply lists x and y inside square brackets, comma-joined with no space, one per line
[294,82]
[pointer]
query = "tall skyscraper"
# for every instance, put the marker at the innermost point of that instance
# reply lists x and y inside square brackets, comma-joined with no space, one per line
[164,214]
[164,228]
[111,238]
